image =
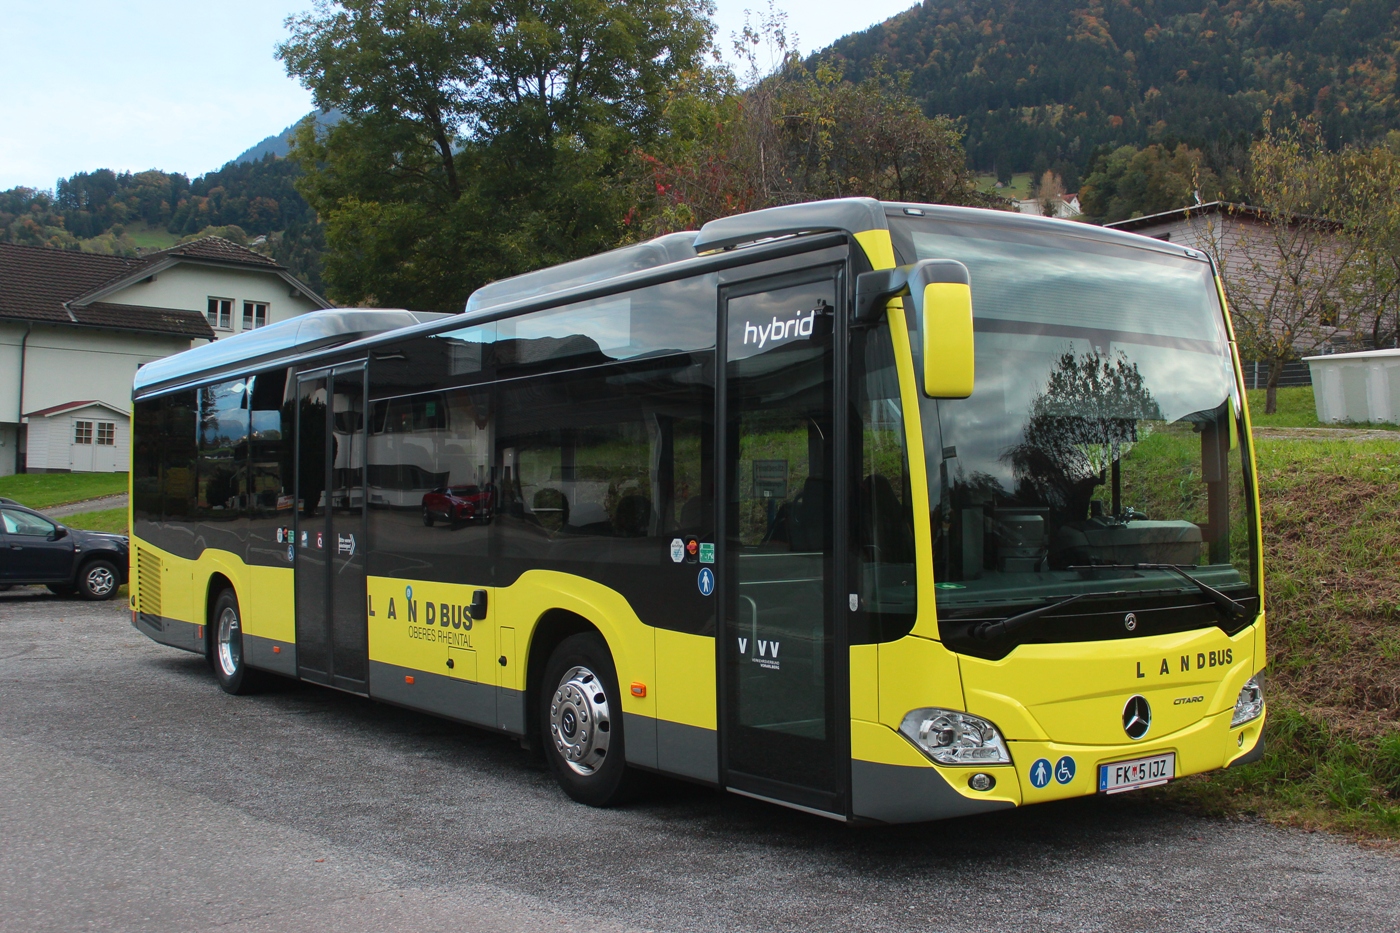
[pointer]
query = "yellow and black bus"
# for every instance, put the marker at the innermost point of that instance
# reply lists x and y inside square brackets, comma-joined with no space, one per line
[885,512]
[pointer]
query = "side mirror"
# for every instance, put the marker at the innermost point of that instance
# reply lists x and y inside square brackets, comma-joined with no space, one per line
[940,293]
[58,533]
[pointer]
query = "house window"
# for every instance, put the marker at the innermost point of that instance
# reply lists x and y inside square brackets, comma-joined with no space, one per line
[220,313]
[106,433]
[254,314]
[82,432]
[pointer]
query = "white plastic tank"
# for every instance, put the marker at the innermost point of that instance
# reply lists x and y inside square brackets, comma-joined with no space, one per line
[1357,387]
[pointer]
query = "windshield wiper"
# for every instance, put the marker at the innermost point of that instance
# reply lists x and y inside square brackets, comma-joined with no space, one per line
[1225,604]
[990,630]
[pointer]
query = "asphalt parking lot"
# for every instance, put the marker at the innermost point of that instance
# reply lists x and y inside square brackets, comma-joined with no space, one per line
[138,796]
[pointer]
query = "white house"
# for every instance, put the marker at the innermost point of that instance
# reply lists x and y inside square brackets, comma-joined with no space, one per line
[75,327]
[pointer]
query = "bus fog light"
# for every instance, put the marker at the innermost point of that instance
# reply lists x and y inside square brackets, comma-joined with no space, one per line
[953,738]
[981,781]
[1250,705]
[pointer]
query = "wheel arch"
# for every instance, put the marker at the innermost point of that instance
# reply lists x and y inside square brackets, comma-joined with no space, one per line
[218,582]
[552,627]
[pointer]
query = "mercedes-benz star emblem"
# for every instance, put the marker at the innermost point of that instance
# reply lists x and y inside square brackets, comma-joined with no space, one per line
[1137,717]
[1130,621]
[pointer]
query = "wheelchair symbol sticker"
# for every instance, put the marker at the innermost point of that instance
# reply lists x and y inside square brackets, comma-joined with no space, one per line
[1064,770]
[1040,772]
[706,581]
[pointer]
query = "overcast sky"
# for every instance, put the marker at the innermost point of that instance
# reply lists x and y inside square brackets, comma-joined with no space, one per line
[186,85]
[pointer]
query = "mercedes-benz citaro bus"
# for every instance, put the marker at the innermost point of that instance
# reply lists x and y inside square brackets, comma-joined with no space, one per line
[884,512]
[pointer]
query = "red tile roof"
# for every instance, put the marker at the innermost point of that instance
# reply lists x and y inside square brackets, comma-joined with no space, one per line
[215,248]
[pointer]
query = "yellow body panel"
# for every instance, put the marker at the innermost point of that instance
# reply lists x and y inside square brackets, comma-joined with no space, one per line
[916,672]
[1075,691]
[865,682]
[685,679]
[270,603]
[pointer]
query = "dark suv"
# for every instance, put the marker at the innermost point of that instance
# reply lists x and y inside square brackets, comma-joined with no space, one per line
[37,550]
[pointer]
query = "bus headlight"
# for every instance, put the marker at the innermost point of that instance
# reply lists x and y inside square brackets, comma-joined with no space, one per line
[1250,705]
[953,738]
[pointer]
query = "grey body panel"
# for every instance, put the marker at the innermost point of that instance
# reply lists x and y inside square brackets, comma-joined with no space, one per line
[462,700]
[1253,755]
[688,751]
[257,652]
[901,794]
[852,215]
[173,632]
[640,739]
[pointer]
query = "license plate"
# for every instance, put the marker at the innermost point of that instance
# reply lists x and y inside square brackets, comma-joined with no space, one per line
[1140,772]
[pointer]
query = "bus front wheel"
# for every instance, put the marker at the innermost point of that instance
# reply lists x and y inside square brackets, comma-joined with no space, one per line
[229,665]
[581,723]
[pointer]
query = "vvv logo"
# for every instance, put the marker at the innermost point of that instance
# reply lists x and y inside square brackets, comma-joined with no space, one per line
[779,330]
[765,655]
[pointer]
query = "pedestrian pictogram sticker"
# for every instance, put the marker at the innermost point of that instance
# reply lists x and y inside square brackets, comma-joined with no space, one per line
[1040,772]
[706,581]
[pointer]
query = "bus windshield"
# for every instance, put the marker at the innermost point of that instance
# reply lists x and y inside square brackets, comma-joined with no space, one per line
[1104,434]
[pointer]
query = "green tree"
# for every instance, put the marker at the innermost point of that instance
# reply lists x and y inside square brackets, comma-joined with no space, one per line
[799,133]
[480,139]
[1132,182]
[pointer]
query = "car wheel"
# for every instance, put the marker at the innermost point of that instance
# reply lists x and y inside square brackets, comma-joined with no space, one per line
[61,589]
[229,666]
[581,723]
[427,518]
[98,579]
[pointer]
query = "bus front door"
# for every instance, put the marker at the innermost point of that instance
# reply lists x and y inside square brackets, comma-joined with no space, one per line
[782,709]
[331,627]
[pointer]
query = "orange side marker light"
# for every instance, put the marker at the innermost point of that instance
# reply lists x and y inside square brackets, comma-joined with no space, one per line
[276,649]
[408,678]
[639,689]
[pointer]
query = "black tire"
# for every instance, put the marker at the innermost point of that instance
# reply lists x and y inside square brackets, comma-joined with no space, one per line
[579,693]
[61,589]
[98,580]
[427,518]
[226,647]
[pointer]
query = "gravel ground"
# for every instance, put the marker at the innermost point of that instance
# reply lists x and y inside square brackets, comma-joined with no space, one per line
[140,797]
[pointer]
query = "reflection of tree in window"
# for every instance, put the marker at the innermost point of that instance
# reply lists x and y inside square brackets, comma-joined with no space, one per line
[1093,410]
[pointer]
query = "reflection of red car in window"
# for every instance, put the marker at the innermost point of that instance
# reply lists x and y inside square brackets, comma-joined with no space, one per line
[457,504]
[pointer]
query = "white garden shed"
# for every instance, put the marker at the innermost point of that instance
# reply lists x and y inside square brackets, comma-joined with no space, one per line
[1357,387]
[80,437]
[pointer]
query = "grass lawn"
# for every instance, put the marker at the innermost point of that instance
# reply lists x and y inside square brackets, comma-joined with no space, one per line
[113,520]
[150,237]
[43,490]
[1020,186]
[1296,409]
[1331,514]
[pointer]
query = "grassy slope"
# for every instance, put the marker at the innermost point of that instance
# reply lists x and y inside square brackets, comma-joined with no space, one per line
[150,237]
[1332,542]
[113,520]
[44,490]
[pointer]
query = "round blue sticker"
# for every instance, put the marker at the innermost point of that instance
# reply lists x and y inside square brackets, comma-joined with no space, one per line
[291,553]
[408,592]
[1040,772]
[706,581]
[1064,770]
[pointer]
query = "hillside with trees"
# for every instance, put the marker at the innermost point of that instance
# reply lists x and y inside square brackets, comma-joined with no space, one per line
[123,213]
[1052,84]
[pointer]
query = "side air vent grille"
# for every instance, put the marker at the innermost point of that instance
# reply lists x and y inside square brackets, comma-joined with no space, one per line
[148,570]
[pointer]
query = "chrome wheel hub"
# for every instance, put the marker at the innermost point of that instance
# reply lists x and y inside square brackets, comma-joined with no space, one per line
[101,581]
[579,722]
[230,645]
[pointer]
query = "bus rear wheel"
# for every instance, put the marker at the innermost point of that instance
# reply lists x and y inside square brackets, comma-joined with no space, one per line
[230,668]
[581,723]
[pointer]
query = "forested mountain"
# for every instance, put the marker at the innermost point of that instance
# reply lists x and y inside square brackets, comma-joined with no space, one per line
[281,144]
[103,211]
[1045,84]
